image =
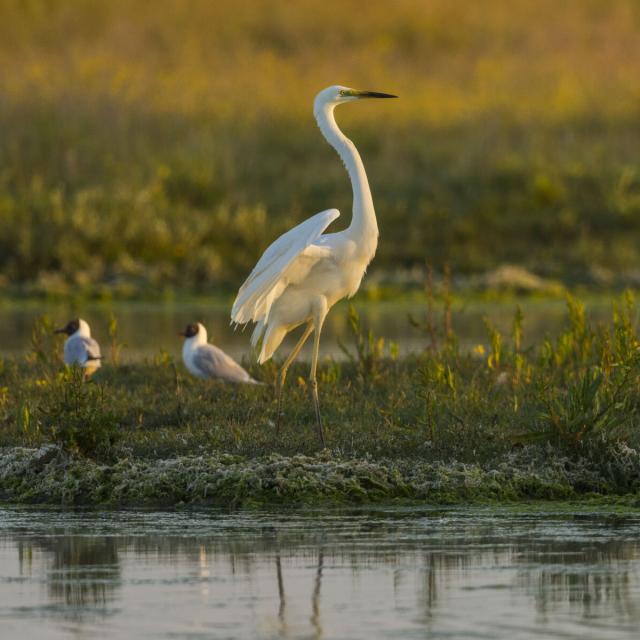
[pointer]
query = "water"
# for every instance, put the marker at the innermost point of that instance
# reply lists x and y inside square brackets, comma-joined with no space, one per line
[385,573]
[148,328]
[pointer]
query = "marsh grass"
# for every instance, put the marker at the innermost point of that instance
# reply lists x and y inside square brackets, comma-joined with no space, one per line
[577,394]
[73,413]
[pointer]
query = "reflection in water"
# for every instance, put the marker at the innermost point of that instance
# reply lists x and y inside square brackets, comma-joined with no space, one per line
[283,600]
[390,573]
[429,588]
[593,582]
[315,600]
[145,328]
[82,572]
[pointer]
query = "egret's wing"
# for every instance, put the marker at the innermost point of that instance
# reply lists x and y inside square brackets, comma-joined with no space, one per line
[269,277]
[215,363]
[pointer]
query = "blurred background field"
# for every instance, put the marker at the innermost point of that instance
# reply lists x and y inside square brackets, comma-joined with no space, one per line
[155,147]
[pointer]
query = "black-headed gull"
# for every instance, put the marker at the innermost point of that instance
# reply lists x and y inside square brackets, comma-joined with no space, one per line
[205,360]
[80,348]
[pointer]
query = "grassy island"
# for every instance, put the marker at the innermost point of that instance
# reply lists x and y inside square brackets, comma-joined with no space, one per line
[556,420]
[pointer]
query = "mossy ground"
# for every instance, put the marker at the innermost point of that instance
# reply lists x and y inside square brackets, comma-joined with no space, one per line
[50,476]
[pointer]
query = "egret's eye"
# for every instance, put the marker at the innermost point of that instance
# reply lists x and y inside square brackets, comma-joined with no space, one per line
[343,92]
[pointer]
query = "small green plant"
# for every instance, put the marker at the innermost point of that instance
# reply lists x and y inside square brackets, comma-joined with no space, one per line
[494,361]
[428,325]
[76,415]
[163,359]
[24,420]
[517,333]
[438,385]
[45,344]
[4,397]
[369,349]
[592,410]
[115,346]
[444,335]
[624,325]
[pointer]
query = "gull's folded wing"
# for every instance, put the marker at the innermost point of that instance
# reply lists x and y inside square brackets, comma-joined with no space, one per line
[215,363]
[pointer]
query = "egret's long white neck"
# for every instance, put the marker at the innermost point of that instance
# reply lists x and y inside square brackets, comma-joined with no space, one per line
[363,227]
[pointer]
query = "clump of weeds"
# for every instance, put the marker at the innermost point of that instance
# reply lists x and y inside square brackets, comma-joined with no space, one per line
[75,414]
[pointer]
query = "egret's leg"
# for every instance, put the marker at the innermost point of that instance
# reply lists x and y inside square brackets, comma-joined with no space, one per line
[282,376]
[314,364]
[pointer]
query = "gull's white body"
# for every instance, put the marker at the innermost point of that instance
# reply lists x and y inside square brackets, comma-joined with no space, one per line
[306,271]
[205,360]
[81,349]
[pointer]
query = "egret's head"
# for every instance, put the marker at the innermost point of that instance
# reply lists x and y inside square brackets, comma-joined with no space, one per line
[338,94]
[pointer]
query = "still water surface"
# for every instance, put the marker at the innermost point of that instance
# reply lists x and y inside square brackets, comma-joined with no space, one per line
[147,328]
[384,573]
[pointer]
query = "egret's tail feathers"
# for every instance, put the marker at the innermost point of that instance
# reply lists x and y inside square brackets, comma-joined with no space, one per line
[252,306]
[271,341]
[257,333]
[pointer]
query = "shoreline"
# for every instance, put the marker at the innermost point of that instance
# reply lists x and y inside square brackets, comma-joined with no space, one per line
[47,476]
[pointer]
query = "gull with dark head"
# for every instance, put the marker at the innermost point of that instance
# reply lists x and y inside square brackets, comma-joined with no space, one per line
[205,360]
[80,348]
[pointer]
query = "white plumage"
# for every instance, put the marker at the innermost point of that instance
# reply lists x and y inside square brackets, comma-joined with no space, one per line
[80,348]
[205,360]
[286,263]
[305,272]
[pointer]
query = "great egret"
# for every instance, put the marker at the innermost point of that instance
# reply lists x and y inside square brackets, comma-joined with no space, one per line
[205,360]
[305,272]
[80,348]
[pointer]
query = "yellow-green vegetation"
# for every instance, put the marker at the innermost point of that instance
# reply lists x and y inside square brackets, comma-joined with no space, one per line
[557,420]
[156,145]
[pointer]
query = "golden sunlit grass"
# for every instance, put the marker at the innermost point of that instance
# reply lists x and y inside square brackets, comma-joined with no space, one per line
[134,134]
[449,60]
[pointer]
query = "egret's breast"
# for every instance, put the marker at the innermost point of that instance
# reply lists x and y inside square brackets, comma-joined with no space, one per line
[334,277]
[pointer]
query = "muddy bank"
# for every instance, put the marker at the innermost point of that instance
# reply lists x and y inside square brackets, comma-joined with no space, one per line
[48,475]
